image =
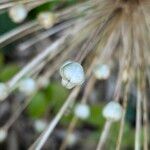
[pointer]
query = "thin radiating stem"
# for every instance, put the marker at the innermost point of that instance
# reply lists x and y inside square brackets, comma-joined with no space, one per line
[145,123]
[16,114]
[69,131]
[35,61]
[125,101]
[145,114]
[138,116]
[12,3]
[15,32]
[44,35]
[104,135]
[127,47]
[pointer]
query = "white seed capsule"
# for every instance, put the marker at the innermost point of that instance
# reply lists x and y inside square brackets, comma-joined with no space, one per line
[46,19]
[102,71]
[72,74]
[72,139]
[18,13]
[3,91]
[27,86]
[113,111]
[3,135]
[43,82]
[82,111]
[125,75]
[40,125]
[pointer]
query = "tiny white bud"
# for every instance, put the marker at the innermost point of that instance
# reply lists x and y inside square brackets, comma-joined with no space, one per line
[113,111]
[3,91]
[82,111]
[43,82]
[125,75]
[46,19]
[72,74]
[40,125]
[18,13]
[27,86]
[102,71]
[3,135]
[72,139]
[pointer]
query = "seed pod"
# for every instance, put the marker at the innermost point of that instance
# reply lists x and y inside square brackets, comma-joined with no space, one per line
[3,135]
[46,19]
[102,72]
[72,139]
[3,91]
[40,125]
[72,74]
[43,82]
[82,111]
[27,86]
[125,75]
[18,13]
[113,111]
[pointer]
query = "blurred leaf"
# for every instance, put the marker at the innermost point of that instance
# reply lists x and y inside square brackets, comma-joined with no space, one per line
[8,71]
[96,117]
[1,59]
[66,119]
[53,96]
[37,106]
[45,7]
[5,23]
[56,94]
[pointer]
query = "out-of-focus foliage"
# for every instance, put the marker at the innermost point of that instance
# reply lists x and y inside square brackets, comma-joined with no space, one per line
[8,71]
[50,98]
[5,23]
